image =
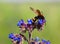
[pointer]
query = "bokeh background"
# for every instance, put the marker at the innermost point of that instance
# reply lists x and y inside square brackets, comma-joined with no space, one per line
[12,12]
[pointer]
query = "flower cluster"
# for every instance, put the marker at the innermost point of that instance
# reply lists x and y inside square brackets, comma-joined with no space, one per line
[38,41]
[30,25]
[15,37]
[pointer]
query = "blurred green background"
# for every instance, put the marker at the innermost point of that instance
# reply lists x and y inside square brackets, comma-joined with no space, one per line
[11,13]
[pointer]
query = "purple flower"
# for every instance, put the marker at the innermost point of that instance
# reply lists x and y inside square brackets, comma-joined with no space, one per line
[20,22]
[48,42]
[29,21]
[11,36]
